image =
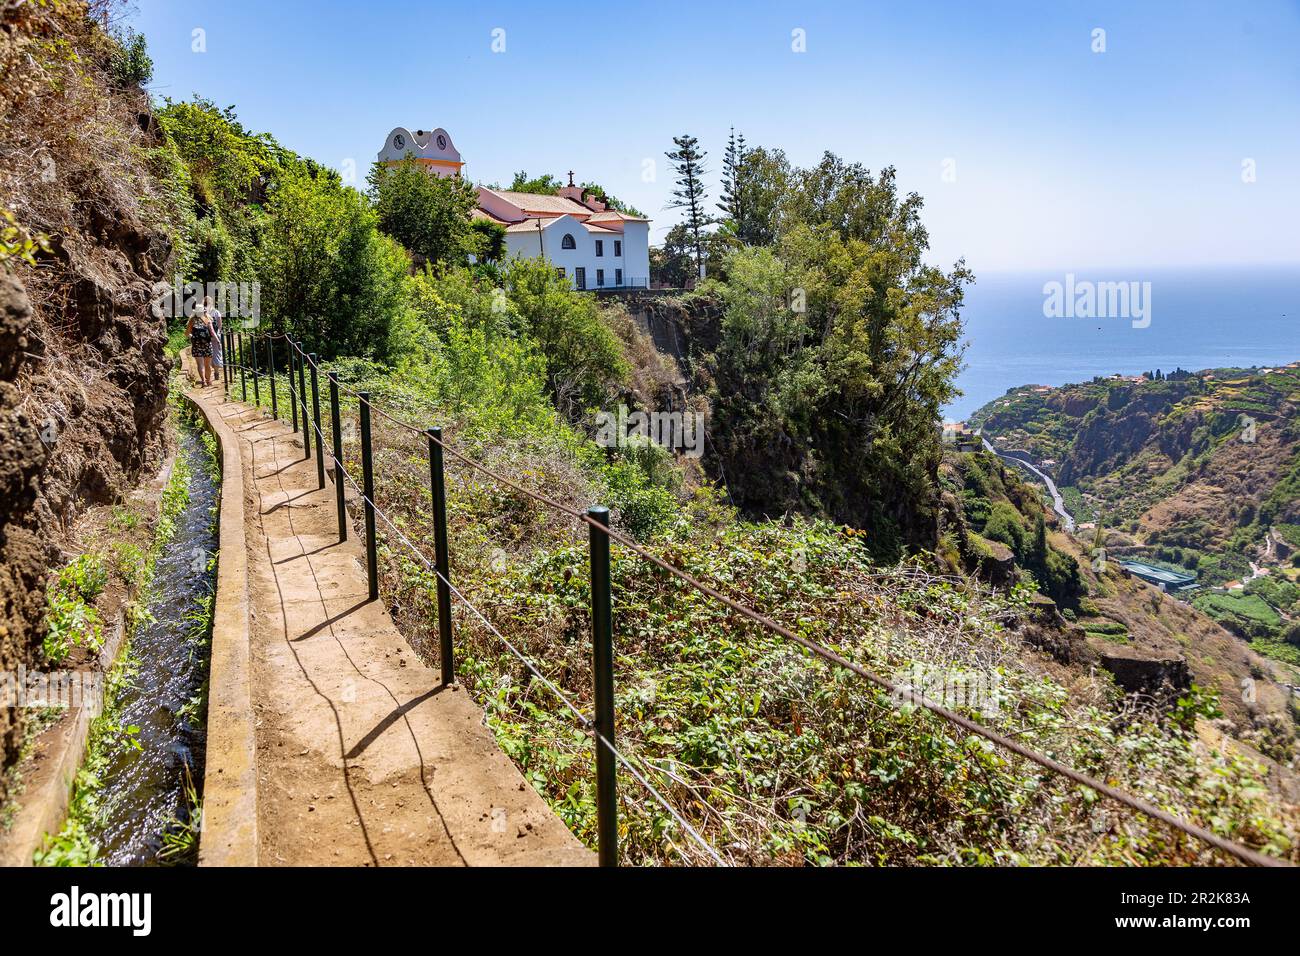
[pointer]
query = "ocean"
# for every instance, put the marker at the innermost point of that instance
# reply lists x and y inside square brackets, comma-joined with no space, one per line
[1193,318]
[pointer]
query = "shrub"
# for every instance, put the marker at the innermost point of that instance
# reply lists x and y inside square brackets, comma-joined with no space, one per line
[643,507]
[1005,525]
[583,358]
[70,617]
[130,64]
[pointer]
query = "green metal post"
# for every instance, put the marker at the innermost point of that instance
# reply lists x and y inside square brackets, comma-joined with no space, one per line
[442,555]
[602,658]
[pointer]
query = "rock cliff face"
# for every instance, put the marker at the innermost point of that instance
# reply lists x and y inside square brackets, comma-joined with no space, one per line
[1114,430]
[83,374]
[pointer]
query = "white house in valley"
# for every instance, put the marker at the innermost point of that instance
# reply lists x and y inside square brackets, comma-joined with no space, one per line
[593,246]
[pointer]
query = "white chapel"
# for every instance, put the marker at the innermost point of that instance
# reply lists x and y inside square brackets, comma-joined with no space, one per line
[593,246]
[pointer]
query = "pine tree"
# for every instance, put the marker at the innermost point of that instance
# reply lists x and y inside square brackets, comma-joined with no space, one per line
[733,188]
[688,164]
[1037,557]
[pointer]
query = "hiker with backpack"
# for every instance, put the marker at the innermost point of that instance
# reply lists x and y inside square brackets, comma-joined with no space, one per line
[199,329]
[218,355]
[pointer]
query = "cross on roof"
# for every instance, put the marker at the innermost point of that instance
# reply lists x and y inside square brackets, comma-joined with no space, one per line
[571,177]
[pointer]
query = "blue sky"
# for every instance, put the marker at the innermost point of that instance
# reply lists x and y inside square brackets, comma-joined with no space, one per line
[1064,158]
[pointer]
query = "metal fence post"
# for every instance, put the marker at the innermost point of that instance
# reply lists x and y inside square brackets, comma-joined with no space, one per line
[225,361]
[293,392]
[243,381]
[315,405]
[368,486]
[257,391]
[270,367]
[442,556]
[602,658]
[302,390]
[338,455]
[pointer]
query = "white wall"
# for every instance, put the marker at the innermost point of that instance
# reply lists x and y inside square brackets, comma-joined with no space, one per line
[634,261]
[583,254]
[636,251]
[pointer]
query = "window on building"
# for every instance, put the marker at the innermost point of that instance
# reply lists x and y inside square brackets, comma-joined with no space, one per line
[618,247]
[600,273]
[580,277]
[567,242]
[600,247]
[560,272]
[618,277]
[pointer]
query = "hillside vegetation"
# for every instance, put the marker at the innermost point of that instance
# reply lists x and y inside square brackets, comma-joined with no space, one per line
[825,501]
[1199,472]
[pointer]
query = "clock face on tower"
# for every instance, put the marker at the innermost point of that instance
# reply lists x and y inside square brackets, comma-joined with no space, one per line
[442,141]
[399,141]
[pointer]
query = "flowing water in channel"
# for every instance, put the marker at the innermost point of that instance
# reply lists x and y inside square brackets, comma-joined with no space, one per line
[145,789]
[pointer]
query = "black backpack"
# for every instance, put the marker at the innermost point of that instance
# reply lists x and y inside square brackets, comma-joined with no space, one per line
[202,334]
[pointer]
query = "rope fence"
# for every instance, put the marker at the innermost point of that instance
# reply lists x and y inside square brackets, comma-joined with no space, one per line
[601,728]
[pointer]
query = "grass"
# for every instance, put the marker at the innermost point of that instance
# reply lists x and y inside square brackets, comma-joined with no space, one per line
[70,616]
[1278,650]
[1113,631]
[772,756]
[1250,610]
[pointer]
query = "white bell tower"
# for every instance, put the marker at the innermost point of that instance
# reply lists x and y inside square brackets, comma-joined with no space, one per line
[432,149]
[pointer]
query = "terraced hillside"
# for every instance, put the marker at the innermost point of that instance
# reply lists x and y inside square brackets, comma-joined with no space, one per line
[1199,471]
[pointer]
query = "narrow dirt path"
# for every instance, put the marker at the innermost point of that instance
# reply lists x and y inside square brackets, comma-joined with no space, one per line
[362,758]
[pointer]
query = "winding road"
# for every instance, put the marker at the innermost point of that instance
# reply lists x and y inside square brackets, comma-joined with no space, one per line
[1058,503]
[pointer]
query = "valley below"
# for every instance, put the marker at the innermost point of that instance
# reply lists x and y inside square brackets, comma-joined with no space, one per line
[1185,490]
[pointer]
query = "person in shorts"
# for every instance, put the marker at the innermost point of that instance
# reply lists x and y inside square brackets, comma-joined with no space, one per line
[199,329]
[218,353]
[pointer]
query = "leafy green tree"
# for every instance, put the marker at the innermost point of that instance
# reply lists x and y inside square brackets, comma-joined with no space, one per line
[548,185]
[583,359]
[329,275]
[689,193]
[130,64]
[429,215]
[217,176]
[838,349]
[613,202]
[671,262]
[764,181]
[491,242]
[849,199]
[545,185]
[227,163]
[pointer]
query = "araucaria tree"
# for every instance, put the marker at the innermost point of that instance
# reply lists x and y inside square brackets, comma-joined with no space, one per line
[733,204]
[688,164]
